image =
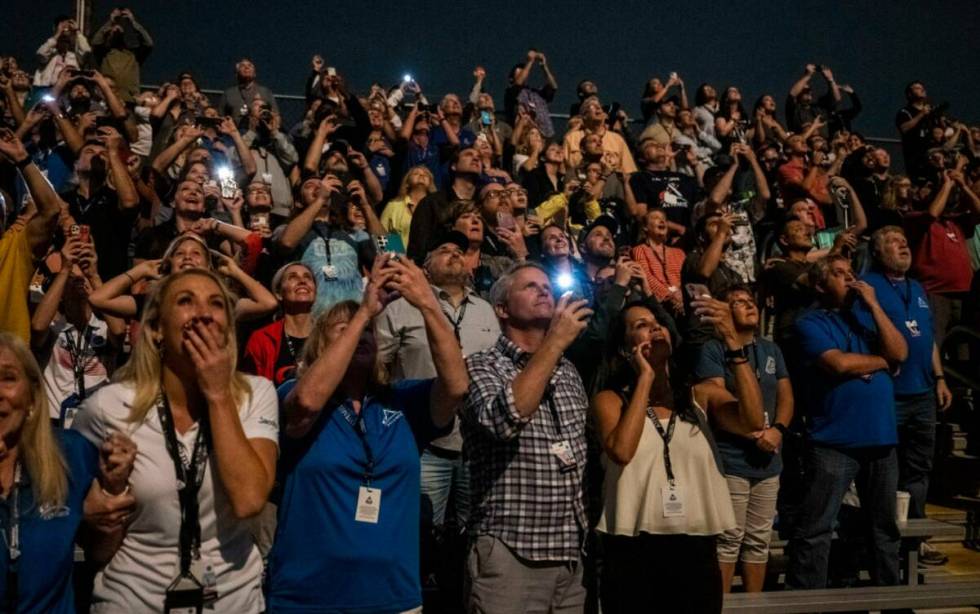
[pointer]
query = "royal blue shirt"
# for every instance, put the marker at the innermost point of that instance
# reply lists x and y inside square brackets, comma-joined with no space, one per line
[741,456]
[323,560]
[47,534]
[848,411]
[905,303]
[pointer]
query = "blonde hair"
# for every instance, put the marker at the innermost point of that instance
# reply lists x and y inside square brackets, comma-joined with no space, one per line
[317,342]
[403,188]
[144,369]
[42,456]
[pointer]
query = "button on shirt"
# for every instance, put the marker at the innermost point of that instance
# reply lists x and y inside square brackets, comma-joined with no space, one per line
[403,344]
[520,493]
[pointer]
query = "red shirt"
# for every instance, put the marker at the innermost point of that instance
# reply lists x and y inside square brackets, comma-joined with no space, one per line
[661,267]
[940,260]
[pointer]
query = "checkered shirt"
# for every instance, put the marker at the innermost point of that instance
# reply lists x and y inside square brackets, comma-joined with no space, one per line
[520,493]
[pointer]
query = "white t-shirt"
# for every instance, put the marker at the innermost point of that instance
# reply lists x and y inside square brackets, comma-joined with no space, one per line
[136,578]
[59,373]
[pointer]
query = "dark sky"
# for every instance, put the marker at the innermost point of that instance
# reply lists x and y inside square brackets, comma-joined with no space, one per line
[760,46]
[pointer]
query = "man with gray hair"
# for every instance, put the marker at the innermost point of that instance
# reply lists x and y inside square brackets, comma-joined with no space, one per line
[920,385]
[523,428]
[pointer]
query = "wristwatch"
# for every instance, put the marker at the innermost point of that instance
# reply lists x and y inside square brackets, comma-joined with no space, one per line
[781,428]
[736,354]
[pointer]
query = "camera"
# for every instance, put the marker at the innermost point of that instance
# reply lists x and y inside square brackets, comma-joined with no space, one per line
[208,122]
[265,113]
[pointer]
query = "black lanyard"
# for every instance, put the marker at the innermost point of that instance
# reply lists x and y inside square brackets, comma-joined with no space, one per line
[190,476]
[78,359]
[326,240]
[361,431]
[663,263]
[457,322]
[905,298]
[13,542]
[666,436]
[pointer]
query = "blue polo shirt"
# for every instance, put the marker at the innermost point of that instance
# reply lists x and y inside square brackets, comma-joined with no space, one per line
[905,303]
[47,534]
[740,456]
[323,560]
[845,412]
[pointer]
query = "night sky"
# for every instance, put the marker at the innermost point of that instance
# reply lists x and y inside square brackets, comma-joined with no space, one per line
[760,46]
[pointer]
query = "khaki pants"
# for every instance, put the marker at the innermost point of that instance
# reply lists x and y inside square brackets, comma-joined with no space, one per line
[499,582]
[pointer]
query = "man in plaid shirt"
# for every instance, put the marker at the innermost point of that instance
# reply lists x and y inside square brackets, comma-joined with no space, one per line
[524,436]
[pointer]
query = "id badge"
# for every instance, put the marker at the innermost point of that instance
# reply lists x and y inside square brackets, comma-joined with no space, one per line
[913,327]
[209,581]
[185,595]
[671,289]
[563,452]
[329,271]
[69,409]
[368,505]
[673,500]
[267,178]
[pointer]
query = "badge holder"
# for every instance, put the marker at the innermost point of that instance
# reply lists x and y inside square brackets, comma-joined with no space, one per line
[69,409]
[185,595]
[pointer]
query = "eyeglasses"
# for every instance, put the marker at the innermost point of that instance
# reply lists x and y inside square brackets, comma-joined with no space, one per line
[510,191]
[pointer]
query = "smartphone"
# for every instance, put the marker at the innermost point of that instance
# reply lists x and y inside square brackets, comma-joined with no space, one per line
[506,220]
[260,220]
[486,118]
[696,291]
[331,71]
[395,244]
[84,233]
[624,250]
[226,179]
[208,122]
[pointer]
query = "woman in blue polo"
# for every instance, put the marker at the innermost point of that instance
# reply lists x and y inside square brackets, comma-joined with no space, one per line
[348,532]
[46,476]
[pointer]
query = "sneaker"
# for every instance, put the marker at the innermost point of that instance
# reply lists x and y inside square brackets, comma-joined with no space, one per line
[930,555]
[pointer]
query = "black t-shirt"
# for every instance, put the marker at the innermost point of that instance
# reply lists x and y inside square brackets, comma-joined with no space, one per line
[675,193]
[111,227]
[789,296]
[289,352]
[914,142]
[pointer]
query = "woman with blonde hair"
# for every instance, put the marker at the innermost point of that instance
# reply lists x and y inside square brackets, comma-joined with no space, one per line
[396,218]
[207,438]
[46,477]
[351,451]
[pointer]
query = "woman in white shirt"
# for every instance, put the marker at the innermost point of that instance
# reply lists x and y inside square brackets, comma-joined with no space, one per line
[664,496]
[192,415]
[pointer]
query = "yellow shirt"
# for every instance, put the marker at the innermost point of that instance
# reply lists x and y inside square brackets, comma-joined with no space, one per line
[397,217]
[16,270]
[610,142]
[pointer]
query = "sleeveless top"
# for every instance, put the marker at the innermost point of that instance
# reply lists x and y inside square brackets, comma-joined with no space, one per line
[632,494]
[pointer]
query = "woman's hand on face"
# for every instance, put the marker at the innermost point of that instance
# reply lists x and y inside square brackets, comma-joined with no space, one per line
[116,458]
[211,355]
[638,359]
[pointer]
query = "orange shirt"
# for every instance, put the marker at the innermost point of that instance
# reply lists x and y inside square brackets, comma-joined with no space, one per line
[662,268]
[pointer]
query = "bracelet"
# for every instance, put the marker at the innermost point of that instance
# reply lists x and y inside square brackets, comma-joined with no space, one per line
[132,280]
[780,427]
[734,354]
[738,361]
[938,377]
[109,494]
[22,164]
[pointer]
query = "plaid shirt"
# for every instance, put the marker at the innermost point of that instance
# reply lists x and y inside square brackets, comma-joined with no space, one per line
[519,491]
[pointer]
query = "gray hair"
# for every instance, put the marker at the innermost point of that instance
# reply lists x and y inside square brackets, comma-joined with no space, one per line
[878,238]
[820,270]
[500,291]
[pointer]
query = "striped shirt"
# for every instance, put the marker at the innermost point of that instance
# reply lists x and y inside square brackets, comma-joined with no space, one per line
[520,493]
[662,267]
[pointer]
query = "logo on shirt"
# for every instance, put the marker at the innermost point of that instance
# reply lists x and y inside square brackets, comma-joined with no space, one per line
[48,511]
[269,422]
[390,417]
[770,366]
[923,303]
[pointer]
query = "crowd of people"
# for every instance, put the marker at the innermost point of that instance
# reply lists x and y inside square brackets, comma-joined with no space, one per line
[257,363]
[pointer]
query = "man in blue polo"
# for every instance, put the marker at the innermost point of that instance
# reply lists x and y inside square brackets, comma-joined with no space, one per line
[851,429]
[920,384]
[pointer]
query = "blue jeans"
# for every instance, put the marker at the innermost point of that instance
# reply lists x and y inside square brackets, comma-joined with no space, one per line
[441,478]
[829,473]
[916,446]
